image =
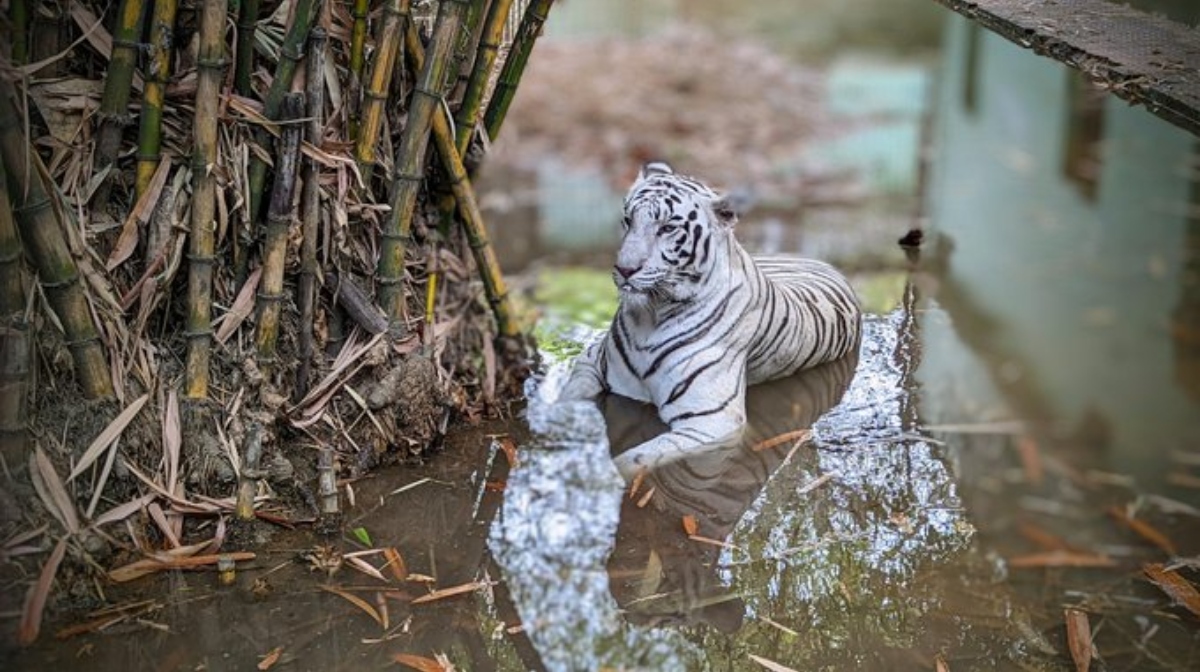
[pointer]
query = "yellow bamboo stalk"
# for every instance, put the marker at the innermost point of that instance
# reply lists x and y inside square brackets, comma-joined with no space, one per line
[410,169]
[202,243]
[395,15]
[42,238]
[468,207]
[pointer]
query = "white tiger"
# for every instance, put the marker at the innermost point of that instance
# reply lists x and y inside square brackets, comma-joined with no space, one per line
[699,318]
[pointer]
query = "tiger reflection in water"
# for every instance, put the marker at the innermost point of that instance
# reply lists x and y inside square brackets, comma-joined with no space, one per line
[656,573]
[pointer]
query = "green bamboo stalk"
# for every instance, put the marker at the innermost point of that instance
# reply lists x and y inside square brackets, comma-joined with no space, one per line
[465,53]
[290,54]
[243,73]
[14,337]
[489,48]
[211,62]
[18,14]
[468,207]
[395,16]
[249,474]
[280,215]
[409,165]
[358,37]
[158,71]
[310,203]
[514,65]
[114,105]
[42,238]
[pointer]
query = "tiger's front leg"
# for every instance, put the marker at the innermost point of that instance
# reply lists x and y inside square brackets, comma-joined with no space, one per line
[585,380]
[709,414]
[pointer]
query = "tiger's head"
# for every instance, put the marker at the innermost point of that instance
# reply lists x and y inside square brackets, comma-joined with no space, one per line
[676,230]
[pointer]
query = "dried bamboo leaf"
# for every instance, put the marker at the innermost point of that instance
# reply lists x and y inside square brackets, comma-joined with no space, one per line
[127,242]
[1178,588]
[123,511]
[145,567]
[1144,530]
[1061,558]
[52,491]
[35,599]
[172,440]
[420,663]
[770,664]
[356,601]
[1079,639]
[110,434]
[242,306]
[444,593]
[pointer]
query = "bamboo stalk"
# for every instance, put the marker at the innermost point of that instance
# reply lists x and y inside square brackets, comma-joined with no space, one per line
[42,237]
[158,71]
[249,473]
[327,482]
[395,15]
[514,65]
[489,48]
[114,105]
[466,52]
[310,203]
[468,208]
[243,73]
[51,26]
[18,14]
[410,156]
[279,218]
[290,54]
[358,37]
[202,242]
[14,337]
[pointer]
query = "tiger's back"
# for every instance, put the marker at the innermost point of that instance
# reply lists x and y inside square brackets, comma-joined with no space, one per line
[812,317]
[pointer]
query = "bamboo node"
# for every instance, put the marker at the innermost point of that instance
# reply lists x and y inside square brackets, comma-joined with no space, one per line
[375,95]
[149,157]
[81,343]
[271,298]
[193,334]
[35,205]
[409,177]
[426,92]
[67,282]
[9,257]
[208,259]
[217,63]
[388,282]
[296,54]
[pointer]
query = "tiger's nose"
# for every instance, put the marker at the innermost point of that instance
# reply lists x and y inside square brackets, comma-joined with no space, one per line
[627,271]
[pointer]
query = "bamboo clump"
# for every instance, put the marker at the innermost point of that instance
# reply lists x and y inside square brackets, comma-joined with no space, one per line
[311,292]
[114,106]
[514,65]
[211,64]
[42,238]
[158,72]
[410,156]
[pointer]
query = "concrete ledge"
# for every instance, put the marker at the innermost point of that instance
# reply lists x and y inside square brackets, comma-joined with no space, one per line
[1146,60]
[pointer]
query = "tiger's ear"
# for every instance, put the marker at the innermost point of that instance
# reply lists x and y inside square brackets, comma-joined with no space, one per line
[725,210]
[655,168]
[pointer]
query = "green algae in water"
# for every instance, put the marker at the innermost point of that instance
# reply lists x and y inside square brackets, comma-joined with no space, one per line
[576,303]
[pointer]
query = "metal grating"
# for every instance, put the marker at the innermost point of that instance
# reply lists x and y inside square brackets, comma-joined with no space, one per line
[1144,59]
